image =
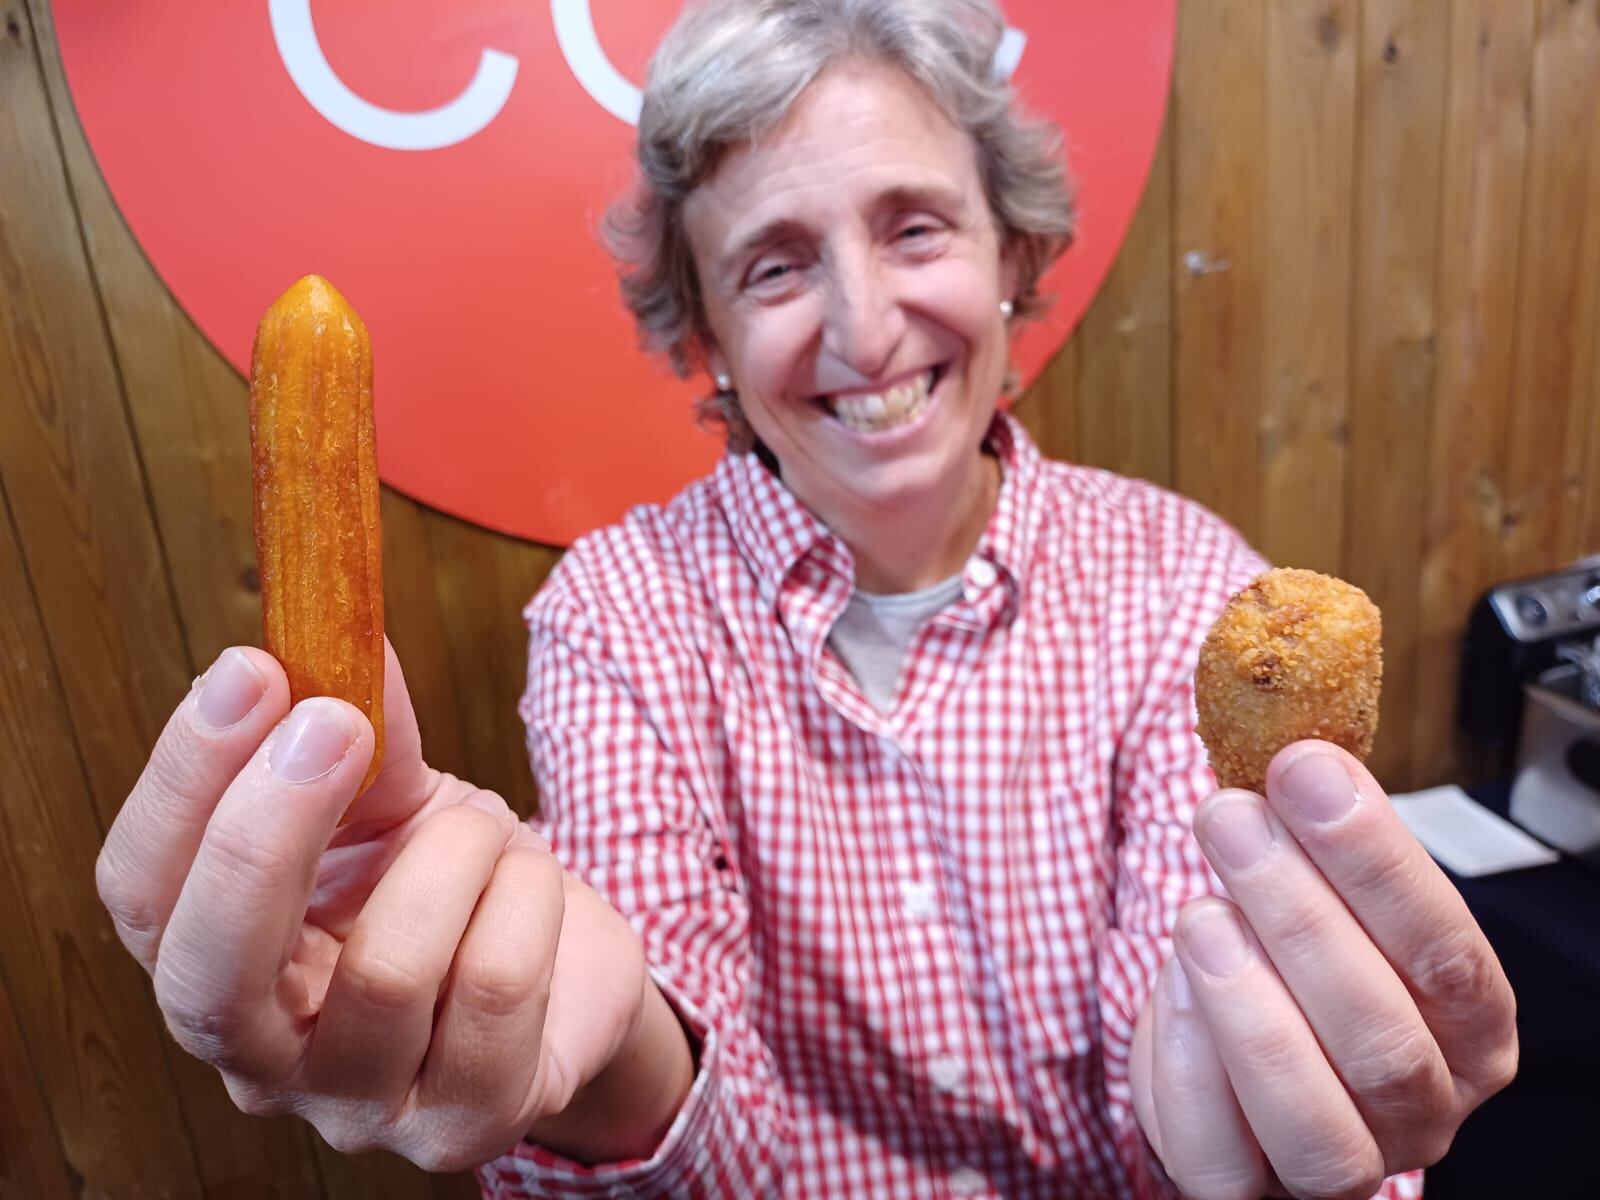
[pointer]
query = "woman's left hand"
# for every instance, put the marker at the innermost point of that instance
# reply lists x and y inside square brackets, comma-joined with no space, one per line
[1334,1023]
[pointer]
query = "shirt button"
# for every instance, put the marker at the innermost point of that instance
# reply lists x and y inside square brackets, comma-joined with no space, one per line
[982,573]
[946,1072]
[921,903]
[967,1181]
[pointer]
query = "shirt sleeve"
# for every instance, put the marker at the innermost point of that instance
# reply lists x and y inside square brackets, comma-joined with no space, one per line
[1162,774]
[620,814]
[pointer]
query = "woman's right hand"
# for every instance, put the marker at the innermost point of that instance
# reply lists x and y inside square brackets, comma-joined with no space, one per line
[424,979]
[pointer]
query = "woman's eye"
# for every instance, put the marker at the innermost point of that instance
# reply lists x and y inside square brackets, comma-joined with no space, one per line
[916,231]
[775,271]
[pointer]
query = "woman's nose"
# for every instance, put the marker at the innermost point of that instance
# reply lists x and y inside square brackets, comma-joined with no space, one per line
[864,323]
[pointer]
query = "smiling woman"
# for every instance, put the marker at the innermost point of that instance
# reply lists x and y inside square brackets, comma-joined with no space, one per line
[866,862]
[727,74]
[852,279]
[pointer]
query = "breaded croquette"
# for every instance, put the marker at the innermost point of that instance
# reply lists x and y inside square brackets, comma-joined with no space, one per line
[1294,655]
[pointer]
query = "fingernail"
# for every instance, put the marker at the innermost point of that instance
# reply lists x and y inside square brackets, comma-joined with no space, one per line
[229,690]
[1216,942]
[314,740]
[490,803]
[1237,832]
[1178,989]
[1319,786]
[525,836]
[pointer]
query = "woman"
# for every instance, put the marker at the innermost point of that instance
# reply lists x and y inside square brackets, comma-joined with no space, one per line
[868,761]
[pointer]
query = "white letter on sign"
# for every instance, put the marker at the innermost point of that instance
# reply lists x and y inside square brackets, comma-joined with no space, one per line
[434,129]
[580,45]
[611,90]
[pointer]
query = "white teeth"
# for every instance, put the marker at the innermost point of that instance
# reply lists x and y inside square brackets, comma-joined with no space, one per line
[877,411]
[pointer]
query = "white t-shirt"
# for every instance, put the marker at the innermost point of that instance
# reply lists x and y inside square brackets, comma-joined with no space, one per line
[873,633]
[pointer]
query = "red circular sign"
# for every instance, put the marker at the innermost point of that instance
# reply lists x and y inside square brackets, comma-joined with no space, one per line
[447,166]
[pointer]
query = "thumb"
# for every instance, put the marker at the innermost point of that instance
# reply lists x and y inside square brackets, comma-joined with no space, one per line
[403,784]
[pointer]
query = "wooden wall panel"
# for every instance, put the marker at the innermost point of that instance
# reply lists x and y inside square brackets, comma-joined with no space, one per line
[485,579]
[1124,364]
[1357,314]
[1586,536]
[1052,408]
[1219,211]
[68,460]
[1558,283]
[1310,153]
[1485,141]
[415,625]
[96,1047]
[187,404]
[1394,331]
[32,1162]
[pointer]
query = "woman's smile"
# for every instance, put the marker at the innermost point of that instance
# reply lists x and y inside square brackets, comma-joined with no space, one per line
[897,407]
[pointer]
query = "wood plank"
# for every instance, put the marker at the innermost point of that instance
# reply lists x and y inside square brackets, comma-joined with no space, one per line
[80,999]
[484,580]
[68,459]
[32,1163]
[380,1176]
[1584,538]
[188,405]
[1048,409]
[415,625]
[1219,214]
[1556,295]
[1486,134]
[1310,158]
[1403,53]
[1125,372]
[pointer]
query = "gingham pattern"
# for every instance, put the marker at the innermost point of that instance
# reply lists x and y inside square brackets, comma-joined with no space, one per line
[913,946]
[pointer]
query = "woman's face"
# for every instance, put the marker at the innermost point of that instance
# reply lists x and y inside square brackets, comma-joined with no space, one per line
[852,276]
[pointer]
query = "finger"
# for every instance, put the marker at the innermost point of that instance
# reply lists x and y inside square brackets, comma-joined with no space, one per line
[373,1030]
[401,786]
[1301,1116]
[1417,918]
[1206,1143]
[207,741]
[485,1049]
[1362,1014]
[220,976]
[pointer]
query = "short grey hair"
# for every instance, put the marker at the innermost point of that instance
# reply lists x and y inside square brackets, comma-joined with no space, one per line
[729,70]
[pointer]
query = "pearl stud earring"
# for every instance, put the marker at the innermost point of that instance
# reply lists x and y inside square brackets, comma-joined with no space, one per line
[724,381]
[1007,309]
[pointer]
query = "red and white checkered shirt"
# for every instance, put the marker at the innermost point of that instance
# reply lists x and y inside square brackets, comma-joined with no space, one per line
[912,946]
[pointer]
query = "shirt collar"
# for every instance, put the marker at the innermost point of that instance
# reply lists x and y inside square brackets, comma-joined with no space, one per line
[774,531]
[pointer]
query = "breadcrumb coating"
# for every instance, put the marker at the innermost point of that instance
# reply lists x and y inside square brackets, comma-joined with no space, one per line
[1294,655]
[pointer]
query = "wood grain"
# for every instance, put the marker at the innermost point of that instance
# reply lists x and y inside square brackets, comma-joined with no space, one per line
[68,459]
[187,403]
[1556,294]
[381,1176]
[1394,329]
[416,628]
[33,1165]
[1485,144]
[1585,537]
[1049,408]
[1310,155]
[1218,214]
[485,579]
[1124,378]
[79,998]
